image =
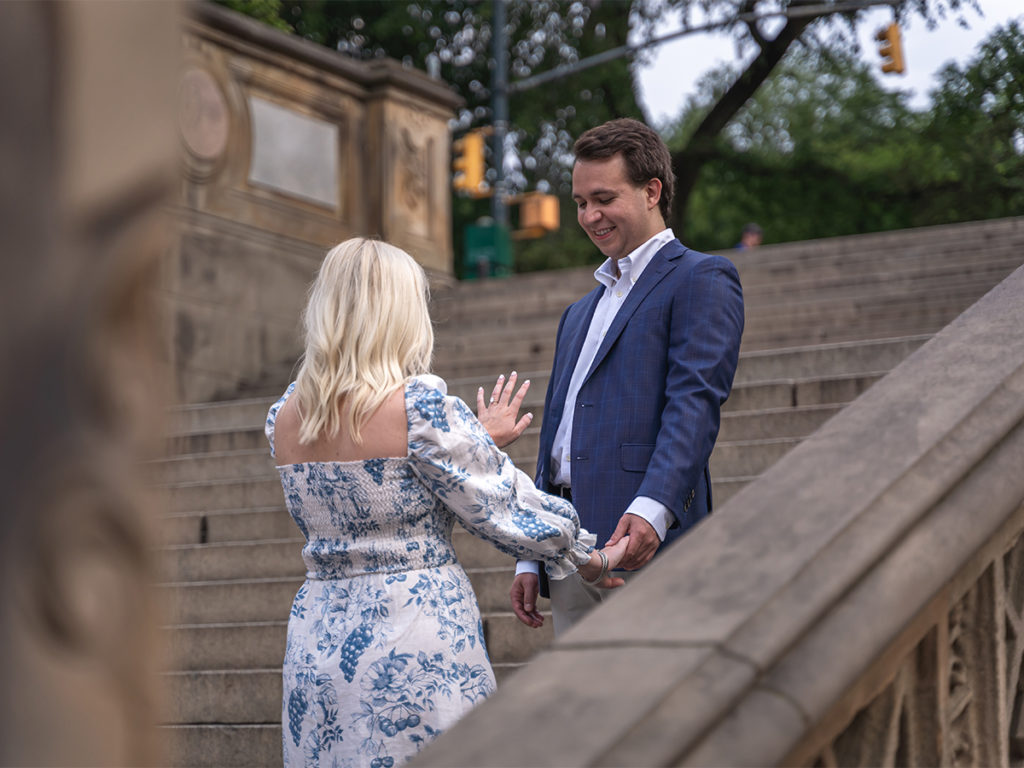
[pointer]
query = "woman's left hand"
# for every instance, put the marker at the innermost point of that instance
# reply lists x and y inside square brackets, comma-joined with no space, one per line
[500,416]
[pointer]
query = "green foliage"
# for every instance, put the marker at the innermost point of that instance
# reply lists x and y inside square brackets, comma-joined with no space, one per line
[543,35]
[977,123]
[823,150]
[267,11]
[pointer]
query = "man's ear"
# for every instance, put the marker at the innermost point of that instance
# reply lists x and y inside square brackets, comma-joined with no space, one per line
[652,189]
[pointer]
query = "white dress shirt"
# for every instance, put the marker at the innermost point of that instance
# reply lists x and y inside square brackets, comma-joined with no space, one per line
[616,290]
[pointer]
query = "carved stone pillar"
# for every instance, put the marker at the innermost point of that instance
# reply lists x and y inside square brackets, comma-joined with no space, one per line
[88,155]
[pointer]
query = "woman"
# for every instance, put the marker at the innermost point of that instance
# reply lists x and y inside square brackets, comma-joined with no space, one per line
[385,643]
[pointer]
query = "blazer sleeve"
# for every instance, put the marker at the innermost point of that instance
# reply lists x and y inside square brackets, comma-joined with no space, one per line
[706,324]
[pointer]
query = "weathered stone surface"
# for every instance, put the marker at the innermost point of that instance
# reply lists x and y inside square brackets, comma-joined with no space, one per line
[289,149]
[814,579]
[88,155]
[567,708]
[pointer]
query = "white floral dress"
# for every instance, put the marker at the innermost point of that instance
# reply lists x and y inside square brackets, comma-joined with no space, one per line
[385,644]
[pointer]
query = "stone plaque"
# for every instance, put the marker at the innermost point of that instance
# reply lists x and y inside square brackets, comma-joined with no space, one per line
[294,154]
[202,114]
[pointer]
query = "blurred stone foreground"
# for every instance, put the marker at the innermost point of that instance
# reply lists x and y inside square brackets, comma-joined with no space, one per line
[88,158]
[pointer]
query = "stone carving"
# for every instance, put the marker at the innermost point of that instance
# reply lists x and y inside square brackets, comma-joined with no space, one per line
[938,709]
[413,173]
[203,117]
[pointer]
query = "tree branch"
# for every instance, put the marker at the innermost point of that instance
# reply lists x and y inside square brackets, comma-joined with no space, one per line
[687,162]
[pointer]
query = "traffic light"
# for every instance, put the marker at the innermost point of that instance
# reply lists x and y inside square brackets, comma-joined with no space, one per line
[469,164]
[540,211]
[891,48]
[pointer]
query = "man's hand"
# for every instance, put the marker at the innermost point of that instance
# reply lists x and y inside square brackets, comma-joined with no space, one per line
[643,541]
[524,599]
[500,416]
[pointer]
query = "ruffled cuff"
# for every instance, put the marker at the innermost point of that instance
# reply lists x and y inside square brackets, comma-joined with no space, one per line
[578,554]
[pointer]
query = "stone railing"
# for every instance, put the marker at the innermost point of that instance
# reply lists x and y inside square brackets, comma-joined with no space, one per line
[860,604]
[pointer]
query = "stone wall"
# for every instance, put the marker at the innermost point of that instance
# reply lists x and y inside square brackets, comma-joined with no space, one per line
[89,164]
[289,148]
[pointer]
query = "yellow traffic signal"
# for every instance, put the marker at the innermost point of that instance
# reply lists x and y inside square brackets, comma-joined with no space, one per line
[539,210]
[469,164]
[538,215]
[891,48]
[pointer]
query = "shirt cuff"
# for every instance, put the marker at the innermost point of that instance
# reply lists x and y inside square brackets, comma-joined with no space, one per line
[654,512]
[527,566]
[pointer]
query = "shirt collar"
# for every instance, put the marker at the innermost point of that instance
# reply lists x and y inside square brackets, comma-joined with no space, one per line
[633,265]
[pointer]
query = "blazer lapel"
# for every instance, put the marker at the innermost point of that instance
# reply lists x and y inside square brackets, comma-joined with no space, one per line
[576,327]
[659,266]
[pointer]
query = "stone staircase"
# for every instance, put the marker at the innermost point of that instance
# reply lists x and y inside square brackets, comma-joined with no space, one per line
[825,320]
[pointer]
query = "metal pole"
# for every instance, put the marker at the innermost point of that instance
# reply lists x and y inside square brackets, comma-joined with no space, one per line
[499,106]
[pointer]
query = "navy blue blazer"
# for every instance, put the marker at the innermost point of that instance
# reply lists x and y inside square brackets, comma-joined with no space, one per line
[648,411]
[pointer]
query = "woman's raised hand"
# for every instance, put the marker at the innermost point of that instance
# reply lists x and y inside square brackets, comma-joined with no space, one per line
[500,416]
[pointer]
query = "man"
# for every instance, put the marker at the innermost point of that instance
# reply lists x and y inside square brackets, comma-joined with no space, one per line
[750,237]
[642,366]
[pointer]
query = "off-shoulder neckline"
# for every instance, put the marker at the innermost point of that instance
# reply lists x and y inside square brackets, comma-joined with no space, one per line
[429,379]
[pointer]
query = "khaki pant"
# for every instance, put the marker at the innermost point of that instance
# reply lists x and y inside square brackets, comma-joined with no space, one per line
[572,599]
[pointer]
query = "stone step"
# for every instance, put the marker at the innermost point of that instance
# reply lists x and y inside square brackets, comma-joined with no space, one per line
[764,282]
[533,360]
[746,395]
[248,600]
[224,746]
[509,641]
[798,421]
[283,558]
[225,525]
[474,552]
[261,644]
[207,496]
[239,645]
[798,353]
[722,488]
[249,413]
[217,441]
[222,465]
[921,275]
[243,696]
[749,457]
[228,601]
[233,560]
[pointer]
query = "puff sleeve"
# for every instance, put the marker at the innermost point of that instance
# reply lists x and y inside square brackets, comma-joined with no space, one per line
[456,459]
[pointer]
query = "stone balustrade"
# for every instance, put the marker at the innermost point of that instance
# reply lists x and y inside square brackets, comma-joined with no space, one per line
[859,604]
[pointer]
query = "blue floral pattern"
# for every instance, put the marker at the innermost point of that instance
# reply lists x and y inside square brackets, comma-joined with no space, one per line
[385,643]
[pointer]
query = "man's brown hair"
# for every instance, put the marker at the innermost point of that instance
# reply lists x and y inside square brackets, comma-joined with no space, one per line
[642,149]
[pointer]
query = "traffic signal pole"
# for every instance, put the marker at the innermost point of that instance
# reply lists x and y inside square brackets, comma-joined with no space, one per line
[499,106]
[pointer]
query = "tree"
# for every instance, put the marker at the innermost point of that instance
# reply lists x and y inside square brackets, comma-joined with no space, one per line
[977,122]
[823,150]
[456,35]
[822,27]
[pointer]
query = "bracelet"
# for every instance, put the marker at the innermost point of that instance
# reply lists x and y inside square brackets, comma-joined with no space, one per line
[604,569]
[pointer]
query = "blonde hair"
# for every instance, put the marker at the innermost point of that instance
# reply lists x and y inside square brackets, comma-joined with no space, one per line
[367,329]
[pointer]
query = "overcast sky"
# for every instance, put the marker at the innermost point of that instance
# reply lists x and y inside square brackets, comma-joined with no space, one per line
[676,66]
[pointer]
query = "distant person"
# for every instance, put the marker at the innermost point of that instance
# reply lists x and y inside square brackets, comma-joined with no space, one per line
[751,237]
[642,366]
[385,645]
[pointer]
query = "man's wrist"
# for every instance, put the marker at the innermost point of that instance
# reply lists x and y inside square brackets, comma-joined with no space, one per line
[528,566]
[654,512]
